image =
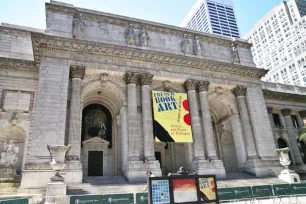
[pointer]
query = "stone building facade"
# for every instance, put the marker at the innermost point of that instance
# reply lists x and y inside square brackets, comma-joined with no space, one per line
[87,79]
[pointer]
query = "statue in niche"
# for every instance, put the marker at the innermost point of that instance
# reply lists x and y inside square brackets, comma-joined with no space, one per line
[197,49]
[235,54]
[95,124]
[129,35]
[9,156]
[143,37]
[78,26]
[185,45]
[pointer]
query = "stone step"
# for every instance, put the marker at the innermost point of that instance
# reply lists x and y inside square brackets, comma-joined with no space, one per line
[9,188]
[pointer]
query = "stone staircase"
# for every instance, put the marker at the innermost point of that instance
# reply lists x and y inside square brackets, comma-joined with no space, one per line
[9,188]
[118,184]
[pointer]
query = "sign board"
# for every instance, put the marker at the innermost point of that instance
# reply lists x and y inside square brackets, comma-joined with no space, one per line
[101,199]
[183,189]
[282,190]
[15,201]
[171,117]
[142,198]
[262,191]
[226,194]
[299,189]
[87,199]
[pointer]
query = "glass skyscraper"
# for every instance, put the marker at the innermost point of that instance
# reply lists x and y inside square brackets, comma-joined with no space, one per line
[213,16]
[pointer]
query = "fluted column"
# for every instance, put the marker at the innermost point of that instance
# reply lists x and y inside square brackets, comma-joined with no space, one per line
[124,135]
[147,118]
[292,137]
[131,81]
[240,92]
[208,130]
[75,116]
[198,142]
[238,139]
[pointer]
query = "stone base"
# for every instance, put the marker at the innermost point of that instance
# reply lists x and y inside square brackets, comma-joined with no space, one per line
[135,171]
[56,192]
[263,168]
[9,188]
[214,167]
[7,174]
[289,176]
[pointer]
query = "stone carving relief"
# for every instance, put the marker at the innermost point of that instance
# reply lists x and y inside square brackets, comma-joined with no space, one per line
[146,79]
[104,78]
[9,155]
[235,54]
[78,26]
[77,71]
[131,77]
[167,85]
[129,35]
[219,92]
[143,38]
[185,45]
[197,48]
[14,118]
[227,138]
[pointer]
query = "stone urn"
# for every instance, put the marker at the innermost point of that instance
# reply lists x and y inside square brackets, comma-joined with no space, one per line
[58,155]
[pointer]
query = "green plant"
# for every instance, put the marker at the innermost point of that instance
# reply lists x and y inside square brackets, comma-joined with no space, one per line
[303,134]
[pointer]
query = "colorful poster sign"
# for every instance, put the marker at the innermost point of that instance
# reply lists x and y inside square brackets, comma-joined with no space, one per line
[160,192]
[184,190]
[171,117]
[207,189]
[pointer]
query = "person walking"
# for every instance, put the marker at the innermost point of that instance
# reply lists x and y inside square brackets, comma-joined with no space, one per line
[149,174]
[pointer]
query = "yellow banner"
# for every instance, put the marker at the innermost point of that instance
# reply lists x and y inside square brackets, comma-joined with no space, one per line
[171,117]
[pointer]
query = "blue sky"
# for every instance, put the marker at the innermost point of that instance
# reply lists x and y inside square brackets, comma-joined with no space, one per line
[31,13]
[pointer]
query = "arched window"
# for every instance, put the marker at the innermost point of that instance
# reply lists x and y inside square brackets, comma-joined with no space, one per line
[97,122]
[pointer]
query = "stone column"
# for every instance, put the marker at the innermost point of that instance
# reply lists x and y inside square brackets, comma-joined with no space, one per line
[206,119]
[270,110]
[131,81]
[75,115]
[198,142]
[238,140]
[302,115]
[124,135]
[292,137]
[240,92]
[147,118]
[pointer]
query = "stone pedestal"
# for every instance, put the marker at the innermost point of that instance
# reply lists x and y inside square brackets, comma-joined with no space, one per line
[204,167]
[289,176]
[7,173]
[263,168]
[56,193]
[135,171]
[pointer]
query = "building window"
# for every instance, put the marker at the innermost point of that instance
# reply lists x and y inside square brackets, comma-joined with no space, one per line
[276,120]
[295,121]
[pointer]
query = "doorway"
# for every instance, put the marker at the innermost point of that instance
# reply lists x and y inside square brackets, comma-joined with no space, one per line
[158,158]
[95,163]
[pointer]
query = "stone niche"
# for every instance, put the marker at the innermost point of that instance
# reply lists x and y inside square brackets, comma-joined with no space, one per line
[96,144]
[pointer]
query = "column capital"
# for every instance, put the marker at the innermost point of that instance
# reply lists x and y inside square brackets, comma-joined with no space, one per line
[131,77]
[269,109]
[203,86]
[286,112]
[303,113]
[146,79]
[239,90]
[77,71]
[190,84]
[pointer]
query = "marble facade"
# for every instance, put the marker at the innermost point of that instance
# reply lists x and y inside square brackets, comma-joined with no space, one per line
[84,57]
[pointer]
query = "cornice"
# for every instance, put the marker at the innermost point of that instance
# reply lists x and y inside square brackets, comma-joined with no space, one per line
[43,42]
[14,31]
[148,25]
[284,96]
[10,64]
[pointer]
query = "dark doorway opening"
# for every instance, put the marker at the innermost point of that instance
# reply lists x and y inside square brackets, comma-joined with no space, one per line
[95,163]
[158,157]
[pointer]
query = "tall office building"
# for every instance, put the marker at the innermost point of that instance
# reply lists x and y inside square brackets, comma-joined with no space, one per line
[213,16]
[279,43]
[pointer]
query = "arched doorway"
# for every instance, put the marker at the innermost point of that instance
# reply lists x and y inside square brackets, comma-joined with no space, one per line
[96,139]
[281,143]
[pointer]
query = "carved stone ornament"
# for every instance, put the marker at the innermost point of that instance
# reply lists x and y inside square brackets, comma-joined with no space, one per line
[9,155]
[203,86]
[190,85]
[239,90]
[146,79]
[185,45]
[131,77]
[197,49]
[219,91]
[104,78]
[143,38]
[167,85]
[235,54]
[14,118]
[77,71]
[270,110]
[283,155]
[129,35]
[78,26]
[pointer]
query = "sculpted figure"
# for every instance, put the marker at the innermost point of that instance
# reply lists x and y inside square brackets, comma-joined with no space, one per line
[129,35]
[78,26]
[143,37]
[197,49]
[236,58]
[283,155]
[9,156]
[185,45]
